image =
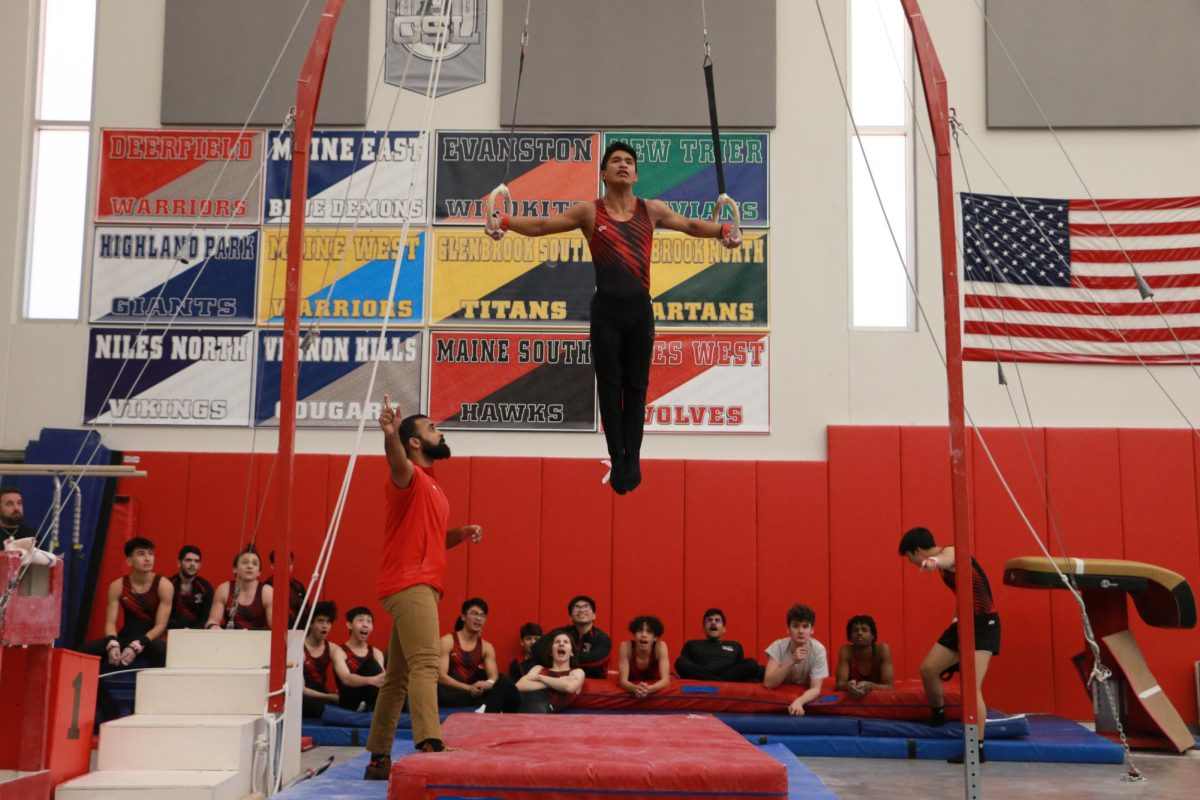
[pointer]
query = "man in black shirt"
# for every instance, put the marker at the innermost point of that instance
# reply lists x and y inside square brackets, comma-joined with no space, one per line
[592,645]
[713,658]
[12,515]
[193,594]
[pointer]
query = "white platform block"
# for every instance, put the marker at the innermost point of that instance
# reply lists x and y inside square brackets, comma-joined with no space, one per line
[179,742]
[201,691]
[219,649]
[156,785]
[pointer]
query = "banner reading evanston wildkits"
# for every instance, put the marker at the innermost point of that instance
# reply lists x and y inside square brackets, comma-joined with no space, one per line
[709,383]
[511,381]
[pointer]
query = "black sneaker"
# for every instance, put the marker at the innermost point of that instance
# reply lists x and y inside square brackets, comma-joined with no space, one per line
[378,769]
[958,759]
[936,719]
[431,746]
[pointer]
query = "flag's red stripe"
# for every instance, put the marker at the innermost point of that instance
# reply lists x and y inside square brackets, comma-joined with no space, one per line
[1135,228]
[1136,256]
[1082,307]
[1114,282]
[984,354]
[1136,204]
[1081,334]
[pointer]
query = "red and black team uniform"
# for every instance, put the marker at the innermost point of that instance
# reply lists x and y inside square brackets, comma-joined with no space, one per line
[505,697]
[987,621]
[466,666]
[246,618]
[592,650]
[874,673]
[191,608]
[316,677]
[295,598]
[355,697]
[648,673]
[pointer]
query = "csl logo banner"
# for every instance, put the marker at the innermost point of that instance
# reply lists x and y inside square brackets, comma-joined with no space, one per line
[414,33]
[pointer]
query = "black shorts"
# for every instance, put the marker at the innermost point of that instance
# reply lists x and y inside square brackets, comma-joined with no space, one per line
[987,634]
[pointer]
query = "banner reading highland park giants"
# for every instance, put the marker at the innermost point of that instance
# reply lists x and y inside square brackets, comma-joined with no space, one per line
[359,272]
[201,275]
[679,169]
[710,383]
[547,172]
[154,376]
[512,381]
[363,176]
[180,176]
[334,373]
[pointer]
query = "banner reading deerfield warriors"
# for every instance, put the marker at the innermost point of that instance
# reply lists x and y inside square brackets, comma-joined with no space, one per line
[711,383]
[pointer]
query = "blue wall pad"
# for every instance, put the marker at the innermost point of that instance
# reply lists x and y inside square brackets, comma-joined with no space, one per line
[1001,728]
[782,723]
[802,781]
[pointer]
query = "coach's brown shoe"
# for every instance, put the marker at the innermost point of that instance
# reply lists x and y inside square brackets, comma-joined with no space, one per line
[378,769]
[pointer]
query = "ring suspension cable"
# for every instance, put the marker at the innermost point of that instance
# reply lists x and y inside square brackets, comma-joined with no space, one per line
[491,214]
[723,200]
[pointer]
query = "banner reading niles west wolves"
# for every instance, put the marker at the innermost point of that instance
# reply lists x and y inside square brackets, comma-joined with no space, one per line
[203,275]
[680,170]
[548,172]
[711,383]
[334,373]
[512,381]
[154,376]
[366,176]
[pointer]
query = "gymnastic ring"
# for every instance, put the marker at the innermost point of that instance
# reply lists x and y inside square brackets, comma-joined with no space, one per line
[491,215]
[725,201]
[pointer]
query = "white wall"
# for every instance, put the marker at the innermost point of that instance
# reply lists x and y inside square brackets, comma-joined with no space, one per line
[822,372]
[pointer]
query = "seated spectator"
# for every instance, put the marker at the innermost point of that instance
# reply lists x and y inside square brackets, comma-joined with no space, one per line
[530,633]
[12,515]
[864,665]
[592,645]
[715,658]
[193,594]
[467,664]
[295,589]
[318,656]
[243,603]
[542,690]
[798,658]
[643,665]
[358,667]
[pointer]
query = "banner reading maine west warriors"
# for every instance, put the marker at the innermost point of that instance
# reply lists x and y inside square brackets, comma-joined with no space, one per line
[711,383]
[180,176]
[366,176]
[203,275]
[699,283]
[153,376]
[334,373]
[679,169]
[359,270]
[512,381]
[547,172]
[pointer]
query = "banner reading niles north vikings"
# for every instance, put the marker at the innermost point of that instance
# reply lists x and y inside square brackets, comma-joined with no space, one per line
[364,176]
[547,172]
[334,373]
[180,176]
[203,275]
[512,381]
[359,272]
[679,169]
[153,376]
[712,383]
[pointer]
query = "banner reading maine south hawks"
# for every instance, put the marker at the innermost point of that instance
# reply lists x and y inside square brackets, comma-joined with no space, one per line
[203,275]
[153,376]
[679,169]
[180,176]
[334,373]
[710,383]
[547,172]
[512,381]
[363,176]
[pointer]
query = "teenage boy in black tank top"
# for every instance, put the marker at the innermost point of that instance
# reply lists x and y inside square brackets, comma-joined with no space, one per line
[619,229]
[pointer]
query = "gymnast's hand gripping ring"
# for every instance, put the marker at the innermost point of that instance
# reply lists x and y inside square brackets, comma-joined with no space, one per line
[491,214]
[725,201]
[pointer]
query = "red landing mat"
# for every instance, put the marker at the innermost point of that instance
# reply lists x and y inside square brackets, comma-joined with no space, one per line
[583,756]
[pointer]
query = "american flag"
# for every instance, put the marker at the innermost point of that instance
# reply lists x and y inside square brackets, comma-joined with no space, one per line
[1050,280]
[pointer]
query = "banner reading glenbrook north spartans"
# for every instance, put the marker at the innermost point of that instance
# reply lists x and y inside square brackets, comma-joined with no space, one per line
[710,383]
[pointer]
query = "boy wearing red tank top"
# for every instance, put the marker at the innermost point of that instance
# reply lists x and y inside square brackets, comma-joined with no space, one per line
[145,599]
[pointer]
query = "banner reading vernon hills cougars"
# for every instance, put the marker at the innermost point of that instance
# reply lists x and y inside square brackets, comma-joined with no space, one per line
[372,177]
[711,383]
[547,172]
[203,275]
[334,372]
[345,280]
[180,176]
[154,376]
[680,170]
[512,381]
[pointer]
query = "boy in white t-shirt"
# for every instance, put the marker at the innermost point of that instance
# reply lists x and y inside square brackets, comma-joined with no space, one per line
[798,658]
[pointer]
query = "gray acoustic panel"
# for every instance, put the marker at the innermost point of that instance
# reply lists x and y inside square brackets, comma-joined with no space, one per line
[218,53]
[1093,63]
[636,63]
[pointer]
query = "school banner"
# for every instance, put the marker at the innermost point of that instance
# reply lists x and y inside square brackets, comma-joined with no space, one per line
[155,376]
[414,38]
[547,172]
[369,177]
[344,280]
[512,381]
[199,275]
[334,373]
[180,176]
[709,383]
[679,169]
[697,283]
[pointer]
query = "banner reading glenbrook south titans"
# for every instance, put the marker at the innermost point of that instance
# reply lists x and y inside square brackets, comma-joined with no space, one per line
[512,381]
[372,177]
[334,373]
[154,376]
[547,172]
[180,176]
[680,170]
[199,275]
[711,383]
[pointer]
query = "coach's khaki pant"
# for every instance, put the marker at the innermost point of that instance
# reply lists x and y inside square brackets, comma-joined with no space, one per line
[412,669]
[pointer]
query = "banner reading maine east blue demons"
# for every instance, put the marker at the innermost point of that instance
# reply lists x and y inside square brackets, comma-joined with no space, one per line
[372,177]
[153,376]
[547,172]
[711,383]
[414,35]
[334,373]
[201,275]
[512,381]
[180,176]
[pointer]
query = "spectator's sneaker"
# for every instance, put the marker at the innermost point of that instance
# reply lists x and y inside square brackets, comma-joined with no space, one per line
[378,769]
[432,746]
[936,719]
